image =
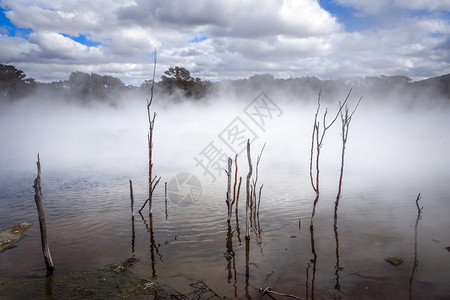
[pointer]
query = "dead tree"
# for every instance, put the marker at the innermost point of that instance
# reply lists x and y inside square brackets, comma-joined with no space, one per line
[255,181]
[229,200]
[249,195]
[41,215]
[152,181]
[316,145]
[346,118]
[235,182]
[132,198]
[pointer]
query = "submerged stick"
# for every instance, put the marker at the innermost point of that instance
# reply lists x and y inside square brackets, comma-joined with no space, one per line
[40,209]
[268,290]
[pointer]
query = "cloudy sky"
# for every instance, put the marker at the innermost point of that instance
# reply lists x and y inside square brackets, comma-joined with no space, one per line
[218,39]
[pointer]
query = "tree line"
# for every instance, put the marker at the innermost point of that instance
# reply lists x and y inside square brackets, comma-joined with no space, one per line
[177,84]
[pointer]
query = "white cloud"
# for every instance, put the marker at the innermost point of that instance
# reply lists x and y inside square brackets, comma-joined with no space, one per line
[53,45]
[379,6]
[15,49]
[238,39]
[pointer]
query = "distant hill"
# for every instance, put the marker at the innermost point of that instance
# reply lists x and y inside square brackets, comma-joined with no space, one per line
[440,84]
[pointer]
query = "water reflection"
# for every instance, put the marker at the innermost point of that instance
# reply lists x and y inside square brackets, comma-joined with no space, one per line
[338,268]
[314,264]
[247,270]
[416,262]
[154,247]
[231,260]
[49,286]
[133,236]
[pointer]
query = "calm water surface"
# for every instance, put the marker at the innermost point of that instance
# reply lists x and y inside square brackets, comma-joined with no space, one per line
[90,224]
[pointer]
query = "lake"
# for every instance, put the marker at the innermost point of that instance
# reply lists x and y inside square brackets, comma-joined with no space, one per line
[88,156]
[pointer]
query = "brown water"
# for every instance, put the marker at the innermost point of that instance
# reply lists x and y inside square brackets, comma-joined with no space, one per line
[90,225]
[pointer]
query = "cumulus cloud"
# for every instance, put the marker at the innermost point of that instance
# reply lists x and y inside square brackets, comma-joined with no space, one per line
[379,6]
[218,39]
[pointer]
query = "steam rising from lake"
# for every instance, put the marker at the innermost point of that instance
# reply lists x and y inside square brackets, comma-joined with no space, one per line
[389,145]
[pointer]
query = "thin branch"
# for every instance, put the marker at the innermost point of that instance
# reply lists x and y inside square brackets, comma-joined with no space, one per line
[318,143]
[235,179]
[249,175]
[268,290]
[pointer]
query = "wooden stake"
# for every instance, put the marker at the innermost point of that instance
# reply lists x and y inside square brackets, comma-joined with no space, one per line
[40,209]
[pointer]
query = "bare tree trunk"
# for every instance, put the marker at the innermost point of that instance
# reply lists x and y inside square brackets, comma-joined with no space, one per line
[152,181]
[40,210]
[255,182]
[229,201]
[345,119]
[132,198]
[247,207]
[316,144]
[235,181]
[237,196]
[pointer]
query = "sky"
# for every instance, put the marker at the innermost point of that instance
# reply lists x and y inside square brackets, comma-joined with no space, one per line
[226,39]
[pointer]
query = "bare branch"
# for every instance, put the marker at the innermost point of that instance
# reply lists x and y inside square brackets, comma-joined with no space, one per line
[249,175]
[268,290]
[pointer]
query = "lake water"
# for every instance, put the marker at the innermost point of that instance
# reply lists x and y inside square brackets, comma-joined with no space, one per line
[89,154]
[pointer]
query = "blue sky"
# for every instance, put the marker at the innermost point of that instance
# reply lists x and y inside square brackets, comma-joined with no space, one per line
[9,28]
[216,39]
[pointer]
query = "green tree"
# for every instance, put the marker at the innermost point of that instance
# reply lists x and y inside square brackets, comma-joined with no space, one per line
[93,86]
[13,83]
[179,78]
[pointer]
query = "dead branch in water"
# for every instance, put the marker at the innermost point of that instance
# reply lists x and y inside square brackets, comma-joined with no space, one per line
[237,195]
[268,290]
[41,215]
[229,201]
[255,181]
[247,207]
[131,198]
[152,182]
[235,180]
[316,144]
[346,118]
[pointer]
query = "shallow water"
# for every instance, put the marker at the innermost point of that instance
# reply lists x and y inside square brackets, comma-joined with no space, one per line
[87,205]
